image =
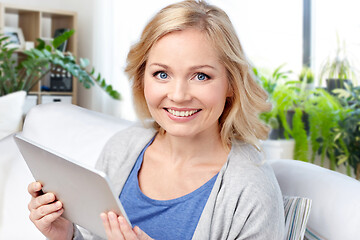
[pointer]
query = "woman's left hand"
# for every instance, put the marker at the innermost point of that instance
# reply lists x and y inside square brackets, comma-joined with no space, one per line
[117,228]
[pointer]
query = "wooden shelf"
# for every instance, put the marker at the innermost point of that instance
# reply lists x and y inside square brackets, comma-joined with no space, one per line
[51,93]
[41,23]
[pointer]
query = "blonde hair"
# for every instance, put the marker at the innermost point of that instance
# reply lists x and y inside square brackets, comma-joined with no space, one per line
[239,119]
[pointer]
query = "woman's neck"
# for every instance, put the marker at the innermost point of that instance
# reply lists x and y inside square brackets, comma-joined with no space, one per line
[200,149]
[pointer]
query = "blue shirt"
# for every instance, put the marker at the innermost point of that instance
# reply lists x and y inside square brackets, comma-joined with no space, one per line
[163,219]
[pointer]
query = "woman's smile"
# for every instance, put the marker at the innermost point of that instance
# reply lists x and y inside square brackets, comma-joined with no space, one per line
[182,115]
[182,112]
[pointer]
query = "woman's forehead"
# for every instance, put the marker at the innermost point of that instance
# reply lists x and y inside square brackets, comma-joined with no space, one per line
[191,44]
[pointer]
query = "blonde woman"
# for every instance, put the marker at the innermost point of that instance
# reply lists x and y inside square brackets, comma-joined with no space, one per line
[197,172]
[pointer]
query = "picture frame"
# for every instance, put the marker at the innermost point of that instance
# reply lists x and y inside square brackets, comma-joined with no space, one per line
[16,37]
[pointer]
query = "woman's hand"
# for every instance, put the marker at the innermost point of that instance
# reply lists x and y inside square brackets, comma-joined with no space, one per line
[117,228]
[45,213]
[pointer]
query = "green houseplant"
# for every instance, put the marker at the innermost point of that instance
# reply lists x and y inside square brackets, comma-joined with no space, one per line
[306,75]
[287,118]
[318,122]
[289,108]
[325,112]
[271,83]
[21,71]
[307,116]
[348,132]
[338,69]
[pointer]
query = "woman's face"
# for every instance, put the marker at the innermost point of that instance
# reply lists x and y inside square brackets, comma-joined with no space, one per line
[185,85]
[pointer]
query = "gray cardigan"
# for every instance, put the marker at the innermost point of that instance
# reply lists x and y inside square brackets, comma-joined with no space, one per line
[245,202]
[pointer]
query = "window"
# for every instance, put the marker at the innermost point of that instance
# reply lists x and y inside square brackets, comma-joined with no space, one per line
[334,18]
[270,31]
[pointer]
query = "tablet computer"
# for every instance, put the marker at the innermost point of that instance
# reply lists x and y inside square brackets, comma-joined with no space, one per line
[84,191]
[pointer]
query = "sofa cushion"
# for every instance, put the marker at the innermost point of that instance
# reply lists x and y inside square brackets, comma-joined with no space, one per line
[312,235]
[335,211]
[297,211]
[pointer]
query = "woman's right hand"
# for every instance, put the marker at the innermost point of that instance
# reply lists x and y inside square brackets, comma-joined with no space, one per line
[45,213]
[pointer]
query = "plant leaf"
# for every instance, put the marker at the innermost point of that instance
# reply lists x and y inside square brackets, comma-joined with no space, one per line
[84,62]
[62,38]
[41,44]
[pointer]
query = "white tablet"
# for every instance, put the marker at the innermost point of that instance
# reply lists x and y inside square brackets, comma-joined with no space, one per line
[84,192]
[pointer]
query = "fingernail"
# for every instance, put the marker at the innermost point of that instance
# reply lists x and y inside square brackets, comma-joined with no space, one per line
[121,219]
[112,215]
[137,231]
[103,216]
[58,204]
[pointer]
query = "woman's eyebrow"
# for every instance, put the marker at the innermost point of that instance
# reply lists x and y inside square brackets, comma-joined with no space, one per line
[160,65]
[202,66]
[191,68]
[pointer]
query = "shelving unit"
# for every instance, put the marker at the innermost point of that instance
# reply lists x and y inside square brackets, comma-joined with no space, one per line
[41,23]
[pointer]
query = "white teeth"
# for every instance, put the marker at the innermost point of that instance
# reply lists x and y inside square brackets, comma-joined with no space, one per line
[182,113]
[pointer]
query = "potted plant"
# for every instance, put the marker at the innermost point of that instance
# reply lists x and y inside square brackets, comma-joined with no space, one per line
[338,70]
[271,83]
[279,144]
[20,71]
[348,132]
[23,75]
[316,122]
[306,75]
[289,106]
[303,117]
[325,113]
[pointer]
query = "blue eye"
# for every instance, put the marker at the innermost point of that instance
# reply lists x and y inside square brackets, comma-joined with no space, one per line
[202,76]
[161,75]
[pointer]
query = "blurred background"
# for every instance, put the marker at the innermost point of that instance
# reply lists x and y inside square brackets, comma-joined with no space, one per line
[294,33]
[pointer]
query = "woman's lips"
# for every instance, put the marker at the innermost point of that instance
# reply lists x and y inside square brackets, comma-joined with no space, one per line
[182,113]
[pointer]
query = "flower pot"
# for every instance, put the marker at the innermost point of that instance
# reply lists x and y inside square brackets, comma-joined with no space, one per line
[279,149]
[11,113]
[332,84]
[279,133]
[310,86]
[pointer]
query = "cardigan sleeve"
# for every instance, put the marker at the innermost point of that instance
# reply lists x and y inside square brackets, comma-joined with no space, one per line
[255,213]
[246,201]
[260,208]
[264,220]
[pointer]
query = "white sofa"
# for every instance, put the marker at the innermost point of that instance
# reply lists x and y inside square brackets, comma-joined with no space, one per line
[81,134]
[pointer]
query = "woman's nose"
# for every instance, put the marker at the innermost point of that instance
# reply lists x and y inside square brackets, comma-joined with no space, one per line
[179,91]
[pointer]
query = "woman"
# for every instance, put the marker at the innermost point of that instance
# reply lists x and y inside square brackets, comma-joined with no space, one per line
[197,172]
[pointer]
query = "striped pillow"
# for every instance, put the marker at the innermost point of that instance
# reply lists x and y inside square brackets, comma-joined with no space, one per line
[297,211]
[311,235]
